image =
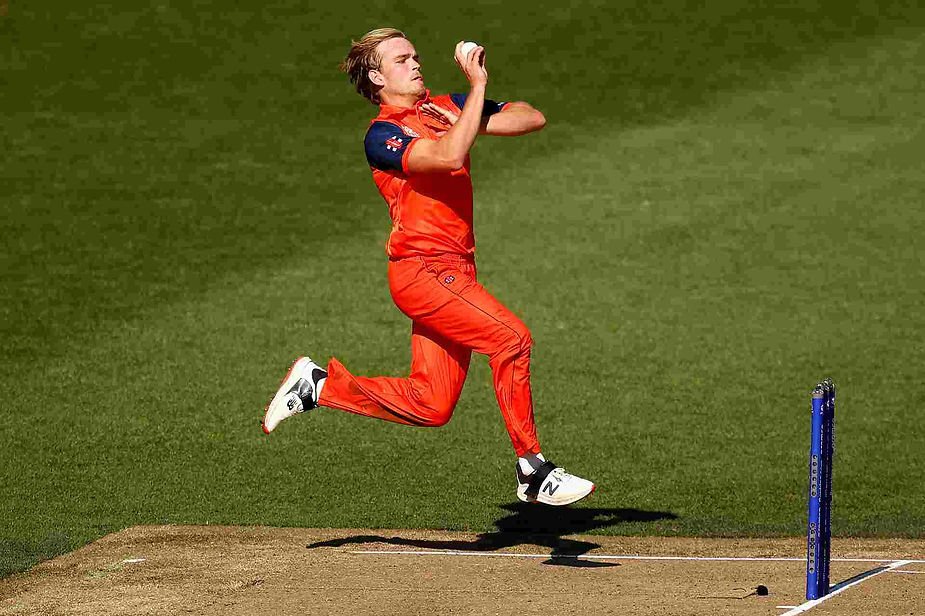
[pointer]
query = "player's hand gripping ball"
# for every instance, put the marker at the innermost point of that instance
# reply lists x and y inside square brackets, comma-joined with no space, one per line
[467,47]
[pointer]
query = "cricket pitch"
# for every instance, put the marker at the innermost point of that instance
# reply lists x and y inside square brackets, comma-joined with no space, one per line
[212,570]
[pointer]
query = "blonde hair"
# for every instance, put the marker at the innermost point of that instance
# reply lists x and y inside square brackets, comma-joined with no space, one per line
[363,58]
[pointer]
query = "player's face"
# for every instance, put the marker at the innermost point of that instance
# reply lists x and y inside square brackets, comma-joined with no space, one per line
[400,69]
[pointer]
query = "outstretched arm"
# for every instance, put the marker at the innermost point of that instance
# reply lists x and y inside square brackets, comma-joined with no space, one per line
[517,118]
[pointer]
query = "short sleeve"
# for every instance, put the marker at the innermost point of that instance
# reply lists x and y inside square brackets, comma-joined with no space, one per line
[489,108]
[386,145]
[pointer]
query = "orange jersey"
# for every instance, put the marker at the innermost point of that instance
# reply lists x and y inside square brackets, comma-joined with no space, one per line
[431,212]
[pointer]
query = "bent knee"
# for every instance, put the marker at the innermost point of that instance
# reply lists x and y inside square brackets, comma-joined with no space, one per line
[434,411]
[437,420]
[526,341]
[517,342]
[434,416]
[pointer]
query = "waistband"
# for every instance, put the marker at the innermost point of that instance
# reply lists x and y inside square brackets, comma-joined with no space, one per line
[437,258]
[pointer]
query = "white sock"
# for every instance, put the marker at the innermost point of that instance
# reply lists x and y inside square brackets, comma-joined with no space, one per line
[530,462]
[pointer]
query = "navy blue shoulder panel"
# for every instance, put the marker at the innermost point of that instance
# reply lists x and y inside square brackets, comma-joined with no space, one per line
[489,108]
[385,145]
[459,99]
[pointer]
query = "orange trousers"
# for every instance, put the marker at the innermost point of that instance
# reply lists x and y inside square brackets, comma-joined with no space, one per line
[452,316]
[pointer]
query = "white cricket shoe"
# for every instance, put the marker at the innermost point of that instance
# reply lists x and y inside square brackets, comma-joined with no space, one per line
[551,485]
[299,392]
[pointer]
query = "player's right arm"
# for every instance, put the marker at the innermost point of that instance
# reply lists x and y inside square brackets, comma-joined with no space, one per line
[448,153]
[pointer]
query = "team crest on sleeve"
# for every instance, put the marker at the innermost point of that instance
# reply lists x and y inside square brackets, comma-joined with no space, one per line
[393,143]
[409,132]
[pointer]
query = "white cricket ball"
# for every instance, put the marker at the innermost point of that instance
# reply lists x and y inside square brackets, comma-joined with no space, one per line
[467,47]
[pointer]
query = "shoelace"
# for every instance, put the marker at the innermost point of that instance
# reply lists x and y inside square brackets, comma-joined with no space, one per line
[560,474]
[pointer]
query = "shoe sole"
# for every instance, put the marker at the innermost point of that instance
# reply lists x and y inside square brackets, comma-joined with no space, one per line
[282,384]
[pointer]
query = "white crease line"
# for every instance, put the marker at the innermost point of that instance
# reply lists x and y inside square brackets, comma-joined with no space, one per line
[624,556]
[909,572]
[814,602]
[134,560]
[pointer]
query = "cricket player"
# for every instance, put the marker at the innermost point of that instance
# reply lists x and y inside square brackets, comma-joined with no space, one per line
[417,148]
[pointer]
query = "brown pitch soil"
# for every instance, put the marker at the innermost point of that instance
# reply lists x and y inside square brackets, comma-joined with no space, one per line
[213,570]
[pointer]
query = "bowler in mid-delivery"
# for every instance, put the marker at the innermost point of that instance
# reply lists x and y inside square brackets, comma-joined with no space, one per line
[418,149]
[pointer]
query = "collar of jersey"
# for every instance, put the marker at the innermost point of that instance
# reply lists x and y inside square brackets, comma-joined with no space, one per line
[396,110]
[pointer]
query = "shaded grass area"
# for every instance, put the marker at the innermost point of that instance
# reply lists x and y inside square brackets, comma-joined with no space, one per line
[723,209]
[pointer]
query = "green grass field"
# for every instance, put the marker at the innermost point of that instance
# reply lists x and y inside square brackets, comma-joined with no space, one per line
[726,206]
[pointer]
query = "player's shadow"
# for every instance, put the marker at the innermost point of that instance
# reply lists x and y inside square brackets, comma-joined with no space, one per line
[528,524]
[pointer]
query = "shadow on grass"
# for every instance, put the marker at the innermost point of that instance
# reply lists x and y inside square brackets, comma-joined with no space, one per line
[19,554]
[528,525]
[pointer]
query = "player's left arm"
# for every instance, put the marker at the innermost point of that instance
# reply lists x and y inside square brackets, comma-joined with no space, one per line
[517,118]
[500,119]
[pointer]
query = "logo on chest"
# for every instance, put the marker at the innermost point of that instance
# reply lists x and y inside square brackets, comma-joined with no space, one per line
[409,131]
